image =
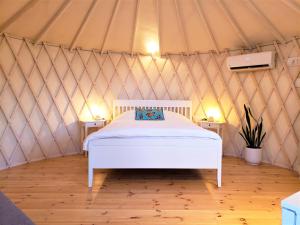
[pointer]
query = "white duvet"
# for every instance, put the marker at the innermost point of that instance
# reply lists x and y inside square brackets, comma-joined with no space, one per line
[174,125]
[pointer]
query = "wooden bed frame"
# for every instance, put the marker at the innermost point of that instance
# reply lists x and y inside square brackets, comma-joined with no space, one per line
[117,153]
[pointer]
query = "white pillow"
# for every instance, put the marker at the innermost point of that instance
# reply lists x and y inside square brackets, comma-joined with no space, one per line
[173,116]
[128,115]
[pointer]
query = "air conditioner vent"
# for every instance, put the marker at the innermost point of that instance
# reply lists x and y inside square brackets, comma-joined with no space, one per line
[251,62]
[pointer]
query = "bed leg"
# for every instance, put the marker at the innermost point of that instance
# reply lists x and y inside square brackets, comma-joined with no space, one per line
[90,176]
[219,177]
[219,166]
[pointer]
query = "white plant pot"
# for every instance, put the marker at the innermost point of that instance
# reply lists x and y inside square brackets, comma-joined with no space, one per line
[253,156]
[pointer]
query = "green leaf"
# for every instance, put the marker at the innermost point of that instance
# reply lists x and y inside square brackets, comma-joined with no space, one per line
[252,136]
[262,138]
[247,143]
[252,115]
[247,116]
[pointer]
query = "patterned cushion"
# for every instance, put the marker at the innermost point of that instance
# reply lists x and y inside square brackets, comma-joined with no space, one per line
[149,114]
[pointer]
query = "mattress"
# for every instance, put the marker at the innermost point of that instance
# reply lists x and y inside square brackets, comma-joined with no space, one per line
[175,129]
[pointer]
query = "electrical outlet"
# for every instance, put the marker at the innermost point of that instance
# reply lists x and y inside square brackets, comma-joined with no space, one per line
[293,61]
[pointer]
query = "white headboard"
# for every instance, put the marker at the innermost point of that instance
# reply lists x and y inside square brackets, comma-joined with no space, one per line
[179,106]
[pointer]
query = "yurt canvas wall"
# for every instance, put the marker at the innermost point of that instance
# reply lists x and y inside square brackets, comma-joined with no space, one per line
[45,91]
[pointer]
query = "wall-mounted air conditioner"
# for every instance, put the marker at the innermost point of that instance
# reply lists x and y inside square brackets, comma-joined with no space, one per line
[250,62]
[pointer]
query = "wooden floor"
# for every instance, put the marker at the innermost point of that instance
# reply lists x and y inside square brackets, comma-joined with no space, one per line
[55,192]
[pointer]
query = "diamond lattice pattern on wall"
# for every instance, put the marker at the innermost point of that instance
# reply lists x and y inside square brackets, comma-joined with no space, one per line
[45,90]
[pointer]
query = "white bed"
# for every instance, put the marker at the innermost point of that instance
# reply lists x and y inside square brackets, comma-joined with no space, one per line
[173,143]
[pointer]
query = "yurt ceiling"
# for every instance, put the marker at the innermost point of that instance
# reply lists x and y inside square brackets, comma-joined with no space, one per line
[143,26]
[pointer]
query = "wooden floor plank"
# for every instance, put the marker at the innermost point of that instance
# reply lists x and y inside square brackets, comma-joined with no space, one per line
[55,192]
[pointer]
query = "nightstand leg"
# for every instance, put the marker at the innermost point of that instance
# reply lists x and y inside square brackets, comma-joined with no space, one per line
[222,132]
[81,138]
[85,133]
[85,125]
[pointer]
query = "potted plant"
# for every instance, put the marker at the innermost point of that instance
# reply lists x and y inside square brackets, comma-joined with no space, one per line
[253,137]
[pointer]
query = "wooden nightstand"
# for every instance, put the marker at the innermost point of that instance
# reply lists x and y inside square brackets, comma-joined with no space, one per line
[85,125]
[215,126]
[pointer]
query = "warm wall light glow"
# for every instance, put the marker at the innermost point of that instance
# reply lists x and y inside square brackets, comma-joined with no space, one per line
[214,113]
[93,112]
[97,111]
[85,114]
[152,47]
